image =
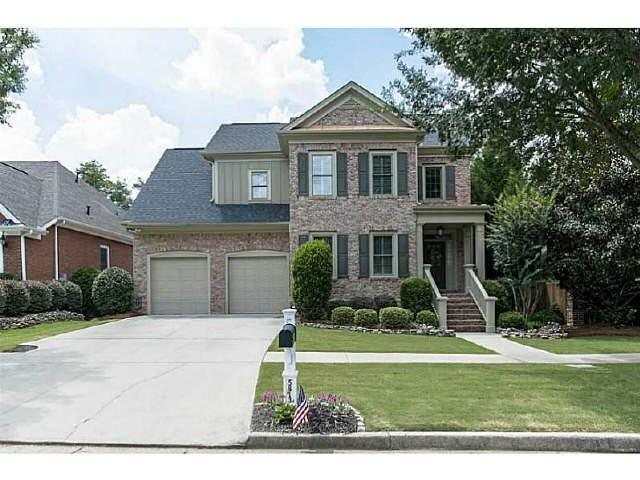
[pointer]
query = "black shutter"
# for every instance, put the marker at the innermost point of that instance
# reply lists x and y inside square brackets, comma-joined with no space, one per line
[343,256]
[451,182]
[420,183]
[363,173]
[403,187]
[403,255]
[341,161]
[363,255]
[302,239]
[303,174]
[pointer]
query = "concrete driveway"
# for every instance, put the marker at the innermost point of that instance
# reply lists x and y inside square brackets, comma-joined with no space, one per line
[144,380]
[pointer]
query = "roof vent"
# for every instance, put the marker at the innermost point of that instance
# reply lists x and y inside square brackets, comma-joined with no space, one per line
[77,175]
[88,209]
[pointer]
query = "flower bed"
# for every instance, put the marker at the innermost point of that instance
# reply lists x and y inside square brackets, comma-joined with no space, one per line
[551,331]
[416,329]
[328,413]
[32,319]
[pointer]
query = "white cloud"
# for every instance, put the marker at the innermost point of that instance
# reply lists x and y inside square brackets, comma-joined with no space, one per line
[261,65]
[276,114]
[19,139]
[32,61]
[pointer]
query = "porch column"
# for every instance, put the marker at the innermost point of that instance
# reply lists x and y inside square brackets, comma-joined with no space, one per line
[479,228]
[468,244]
[419,253]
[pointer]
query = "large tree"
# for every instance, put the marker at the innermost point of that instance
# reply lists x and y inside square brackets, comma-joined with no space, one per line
[547,96]
[13,72]
[94,173]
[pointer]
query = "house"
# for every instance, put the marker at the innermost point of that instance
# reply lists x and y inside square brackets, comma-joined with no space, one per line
[52,222]
[215,227]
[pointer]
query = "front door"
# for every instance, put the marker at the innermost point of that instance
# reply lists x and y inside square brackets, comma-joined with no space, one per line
[435,253]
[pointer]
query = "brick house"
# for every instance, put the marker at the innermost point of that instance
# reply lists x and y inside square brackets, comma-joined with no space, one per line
[52,223]
[215,227]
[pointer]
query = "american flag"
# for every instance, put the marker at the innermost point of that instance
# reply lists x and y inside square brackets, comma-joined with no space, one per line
[301,414]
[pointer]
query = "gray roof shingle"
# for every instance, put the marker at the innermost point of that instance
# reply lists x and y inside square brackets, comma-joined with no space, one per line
[178,191]
[245,137]
[20,193]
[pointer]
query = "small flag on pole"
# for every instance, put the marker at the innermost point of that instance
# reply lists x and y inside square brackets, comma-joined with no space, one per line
[301,414]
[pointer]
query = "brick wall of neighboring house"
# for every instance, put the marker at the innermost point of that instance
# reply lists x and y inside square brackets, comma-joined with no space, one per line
[11,254]
[463,178]
[353,215]
[40,257]
[217,245]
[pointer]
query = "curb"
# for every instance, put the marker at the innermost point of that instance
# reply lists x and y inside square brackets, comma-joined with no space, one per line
[539,441]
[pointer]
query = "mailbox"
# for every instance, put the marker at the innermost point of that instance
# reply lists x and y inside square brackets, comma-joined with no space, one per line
[287,336]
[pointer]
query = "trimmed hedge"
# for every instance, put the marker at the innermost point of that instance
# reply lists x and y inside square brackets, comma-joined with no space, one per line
[366,317]
[337,302]
[84,278]
[7,276]
[360,302]
[495,288]
[112,291]
[384,301]
[511,320]
[311,272]
[395,318]
[16,298]
[39,296]
[74,296]
[343,316]
[58,295]
[415,294]
[427,317]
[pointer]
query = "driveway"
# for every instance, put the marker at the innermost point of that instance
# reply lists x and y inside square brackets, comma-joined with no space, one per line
[144,380]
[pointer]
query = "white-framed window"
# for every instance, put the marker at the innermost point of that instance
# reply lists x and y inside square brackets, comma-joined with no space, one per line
[332,240]
[383,173]
[259,185]
[105,257]
[433,182]
[384,254]
[322,174]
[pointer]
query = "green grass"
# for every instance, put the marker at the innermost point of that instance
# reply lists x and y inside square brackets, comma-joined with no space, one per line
[310,339]
[12,338]
[431,397]
[596,344]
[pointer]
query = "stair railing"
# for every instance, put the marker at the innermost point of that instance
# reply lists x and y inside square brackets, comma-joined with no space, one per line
[486,304]
[438,301]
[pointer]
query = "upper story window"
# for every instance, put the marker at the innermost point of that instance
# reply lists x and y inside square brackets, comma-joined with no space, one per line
[434,182]
[259,184]
[322,174]
[382,174]
[105,261]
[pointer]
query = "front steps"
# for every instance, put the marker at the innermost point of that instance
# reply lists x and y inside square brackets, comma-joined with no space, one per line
[463,314]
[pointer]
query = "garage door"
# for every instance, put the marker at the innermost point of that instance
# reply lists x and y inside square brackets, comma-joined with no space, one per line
[258,284]
[179,285]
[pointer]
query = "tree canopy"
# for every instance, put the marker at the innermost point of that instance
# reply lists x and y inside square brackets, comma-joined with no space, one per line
[14,42]
[94,173]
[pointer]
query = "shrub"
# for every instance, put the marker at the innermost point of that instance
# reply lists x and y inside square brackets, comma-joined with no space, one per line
[384,301]
[360,302]
[3,298]
[7,276]
[84,278]
[58,295]
[366,317]
[496,289]
[511,320]
[395,318]
[415,294]
[39,296]
[74,296]
[112,291]
[283,412]
[311,272]
[342,316]
[16,298]
[543,317]
[427,317]
[337,302]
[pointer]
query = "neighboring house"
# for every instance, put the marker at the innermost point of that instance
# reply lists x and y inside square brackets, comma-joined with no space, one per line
[52,222]
[215,228]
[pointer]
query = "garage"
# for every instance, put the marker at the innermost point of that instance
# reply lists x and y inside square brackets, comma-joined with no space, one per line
[179,285]
[258,284]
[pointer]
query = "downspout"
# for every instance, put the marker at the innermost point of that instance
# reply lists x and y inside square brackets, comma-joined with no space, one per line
[2,254]
[55,252]
[23,257]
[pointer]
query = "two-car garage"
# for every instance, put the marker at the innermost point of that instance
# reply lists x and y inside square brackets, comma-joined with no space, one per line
[252,282]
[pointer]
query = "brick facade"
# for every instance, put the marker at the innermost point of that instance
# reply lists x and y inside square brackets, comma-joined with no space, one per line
[217,245]
[351,113]
[463,178]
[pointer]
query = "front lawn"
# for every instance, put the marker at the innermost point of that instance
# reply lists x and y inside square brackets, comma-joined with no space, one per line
[311,339]
[596,344]
[432,397]
[11,338]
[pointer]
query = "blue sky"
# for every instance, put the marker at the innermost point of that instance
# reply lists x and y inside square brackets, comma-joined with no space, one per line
[123,96]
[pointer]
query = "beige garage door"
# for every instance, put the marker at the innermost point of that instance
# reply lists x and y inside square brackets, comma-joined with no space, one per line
[258,284]
[179,285]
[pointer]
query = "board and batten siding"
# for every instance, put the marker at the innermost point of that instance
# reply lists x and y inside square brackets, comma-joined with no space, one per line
[233,180]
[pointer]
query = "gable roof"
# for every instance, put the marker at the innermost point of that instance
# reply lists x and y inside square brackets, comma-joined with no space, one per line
[40,192]
[162,200]
[245,137]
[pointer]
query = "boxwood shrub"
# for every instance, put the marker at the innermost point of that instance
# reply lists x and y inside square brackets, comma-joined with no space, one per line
[359,302]
[384,301]
[395,318]
[415,294]
[112,291]
[16,298]
[427,317]
[367,317]
[39,296]
[58,295]
[74,296]
[84,278]
[337,302]
[311,272]
[343,316]
[495,288]
[511,320]
[543,317]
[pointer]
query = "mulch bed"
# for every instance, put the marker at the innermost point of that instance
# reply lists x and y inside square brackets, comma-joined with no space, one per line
[321,420]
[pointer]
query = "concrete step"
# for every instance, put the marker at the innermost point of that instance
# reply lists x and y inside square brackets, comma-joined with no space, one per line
[462,309]
[465,316]
[467,328]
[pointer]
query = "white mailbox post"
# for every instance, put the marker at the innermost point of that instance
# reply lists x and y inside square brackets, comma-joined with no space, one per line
[290,374]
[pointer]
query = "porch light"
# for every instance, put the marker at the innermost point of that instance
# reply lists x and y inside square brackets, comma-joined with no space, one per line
[440,231]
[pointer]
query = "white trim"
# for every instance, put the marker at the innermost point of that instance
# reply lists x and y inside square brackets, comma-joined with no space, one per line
[108,248]
[6,213]
[394,172]
[2,255]
[334,248]
[214,182]
[250,193]
[56,261]
[23,257]
[394,246]
[334,173]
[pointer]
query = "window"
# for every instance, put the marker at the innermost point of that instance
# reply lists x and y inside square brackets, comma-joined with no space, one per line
[382,174]
[383,255]
[104,257]
[433,182]
[259,185]
[322,174]
[330,239]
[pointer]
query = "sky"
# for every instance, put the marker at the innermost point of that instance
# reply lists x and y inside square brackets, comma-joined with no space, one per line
[123,96]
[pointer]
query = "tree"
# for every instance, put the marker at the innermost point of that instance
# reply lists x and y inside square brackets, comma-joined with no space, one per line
[545,96]
[311,271]
[14,42]
[96,175]
[518,237]
[120,194]
[491,172]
